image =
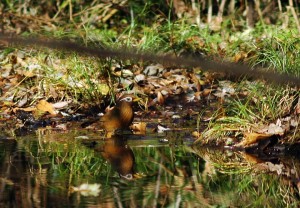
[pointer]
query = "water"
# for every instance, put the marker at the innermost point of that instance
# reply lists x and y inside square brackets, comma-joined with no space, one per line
[47,169]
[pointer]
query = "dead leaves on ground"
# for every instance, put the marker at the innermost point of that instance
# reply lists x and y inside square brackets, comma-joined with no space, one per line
[160,82]
[266,132]
[42,107]
[155,82]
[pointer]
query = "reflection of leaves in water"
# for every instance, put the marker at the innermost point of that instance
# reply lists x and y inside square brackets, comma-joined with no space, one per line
[87,189]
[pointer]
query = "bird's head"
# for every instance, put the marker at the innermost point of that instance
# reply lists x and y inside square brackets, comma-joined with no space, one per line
[128,99]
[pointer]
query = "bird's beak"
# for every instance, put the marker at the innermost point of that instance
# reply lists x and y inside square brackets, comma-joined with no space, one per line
[136,99]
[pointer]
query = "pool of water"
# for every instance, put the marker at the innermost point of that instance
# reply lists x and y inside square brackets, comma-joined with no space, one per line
[81,169]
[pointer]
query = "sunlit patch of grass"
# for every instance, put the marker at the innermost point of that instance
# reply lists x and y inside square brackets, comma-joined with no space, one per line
[152,39]
[260,104]
[280,52]
[70,77]
[220,129]
[84,80]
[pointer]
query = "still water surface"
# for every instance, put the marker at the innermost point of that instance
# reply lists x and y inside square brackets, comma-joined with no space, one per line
[80,169]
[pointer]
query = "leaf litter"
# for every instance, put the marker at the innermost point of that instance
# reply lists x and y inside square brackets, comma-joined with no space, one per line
[165,90]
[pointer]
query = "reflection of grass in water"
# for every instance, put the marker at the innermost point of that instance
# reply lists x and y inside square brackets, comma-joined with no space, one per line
[229,175]
[267,191]
[172,175]
[74,162]
[249,190]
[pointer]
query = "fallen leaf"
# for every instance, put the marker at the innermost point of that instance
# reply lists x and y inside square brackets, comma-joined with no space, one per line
[153,70]
[161,129]
[251,138]
[139,78]
[23,101]
[87,189]
[139,128]
[272,129]
[63,126]
[275,129]
[160,98]
[275,167]
[196,134]
[60,104]
[206,92]
[44,106]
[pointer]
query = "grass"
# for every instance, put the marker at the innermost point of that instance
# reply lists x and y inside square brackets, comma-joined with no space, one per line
[282,53]
[86,81]
[64,77]
[259,105]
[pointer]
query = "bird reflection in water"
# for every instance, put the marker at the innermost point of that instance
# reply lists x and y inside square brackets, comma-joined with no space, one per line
[117,152]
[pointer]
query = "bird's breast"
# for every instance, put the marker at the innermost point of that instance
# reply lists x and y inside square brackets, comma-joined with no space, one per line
[126,114]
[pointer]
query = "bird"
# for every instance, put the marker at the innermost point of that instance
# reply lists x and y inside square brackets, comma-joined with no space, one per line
[119,117]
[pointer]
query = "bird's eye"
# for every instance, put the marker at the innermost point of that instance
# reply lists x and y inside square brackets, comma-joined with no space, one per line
[127,99]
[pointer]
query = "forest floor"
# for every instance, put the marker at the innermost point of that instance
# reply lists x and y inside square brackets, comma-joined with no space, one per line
[44,87]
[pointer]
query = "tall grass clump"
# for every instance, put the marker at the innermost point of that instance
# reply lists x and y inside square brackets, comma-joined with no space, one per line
[280,52]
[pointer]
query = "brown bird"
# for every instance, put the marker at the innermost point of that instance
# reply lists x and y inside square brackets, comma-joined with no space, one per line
[120,116]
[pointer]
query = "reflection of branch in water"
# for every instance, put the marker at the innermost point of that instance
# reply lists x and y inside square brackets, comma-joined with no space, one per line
[157,187]
[117,196]
[125,53]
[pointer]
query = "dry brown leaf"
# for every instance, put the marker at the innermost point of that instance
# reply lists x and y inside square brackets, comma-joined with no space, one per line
[139,128]
[29,109]
[275,129]
[161,129]
[63,126]
[160,98]
[44,106]
[275,167]
[206,92]
[196,134]
[251,138]
[240,56]
[272,129]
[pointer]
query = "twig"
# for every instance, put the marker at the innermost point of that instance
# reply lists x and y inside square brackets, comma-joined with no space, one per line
[291,6]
